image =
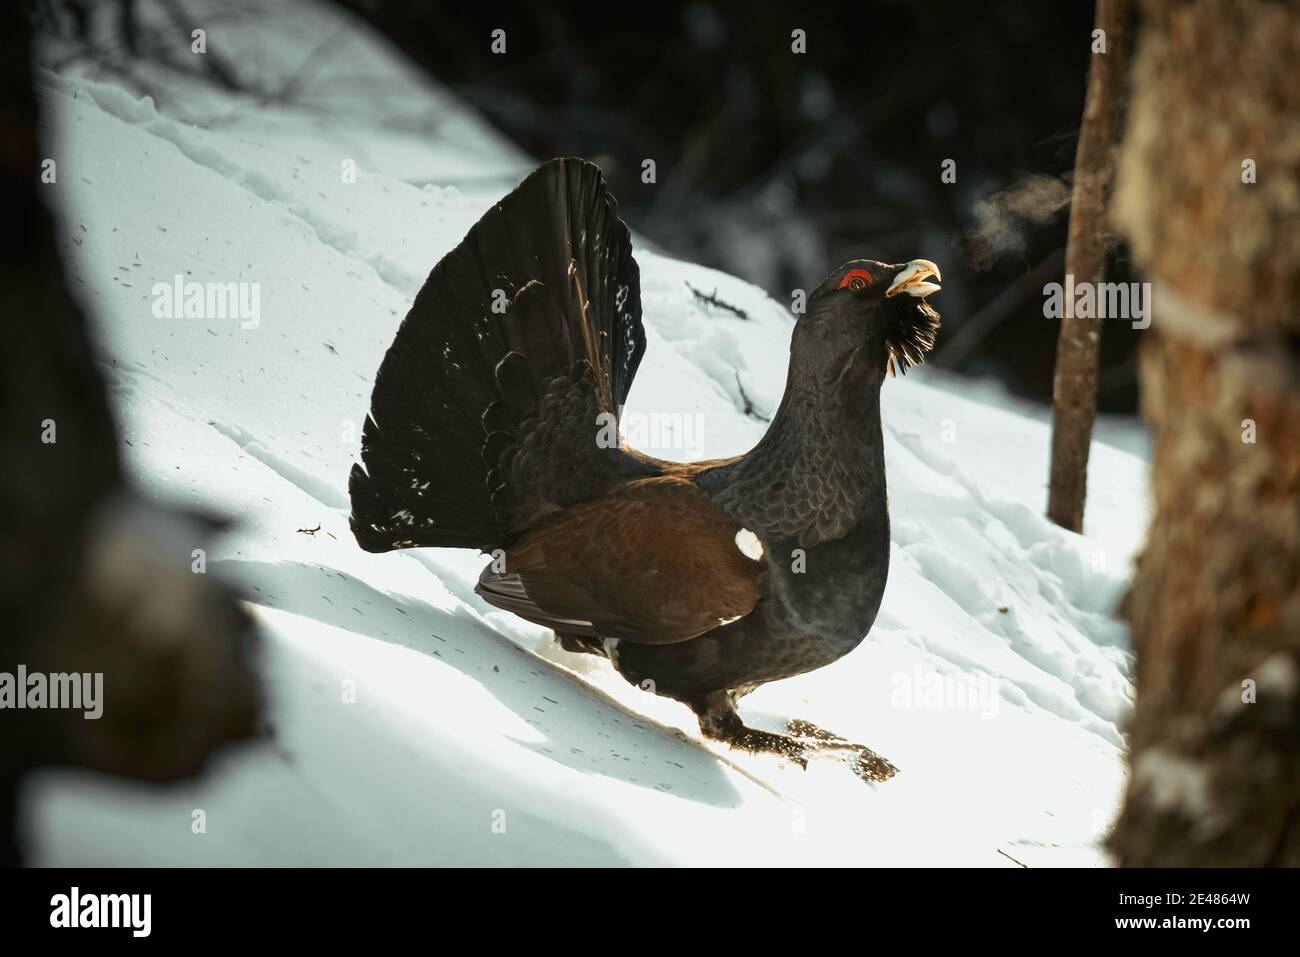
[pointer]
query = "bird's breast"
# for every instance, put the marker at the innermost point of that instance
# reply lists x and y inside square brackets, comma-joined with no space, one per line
[830,592]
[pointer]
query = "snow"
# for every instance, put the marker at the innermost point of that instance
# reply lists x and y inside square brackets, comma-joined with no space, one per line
[412,723]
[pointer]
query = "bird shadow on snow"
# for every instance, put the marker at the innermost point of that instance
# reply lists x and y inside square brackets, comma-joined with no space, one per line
[618,743]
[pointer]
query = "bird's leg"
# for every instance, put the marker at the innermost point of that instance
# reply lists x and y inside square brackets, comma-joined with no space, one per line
[866,764]
[719,720]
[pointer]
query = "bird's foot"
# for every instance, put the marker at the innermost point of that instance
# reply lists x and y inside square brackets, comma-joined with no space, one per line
[870,766]
[806,729]
[866,764]
[805,740]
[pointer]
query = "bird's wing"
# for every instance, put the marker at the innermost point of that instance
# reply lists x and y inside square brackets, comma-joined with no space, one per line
[654,562]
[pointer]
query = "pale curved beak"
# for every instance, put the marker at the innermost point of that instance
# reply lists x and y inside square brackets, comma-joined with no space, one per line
[912,279]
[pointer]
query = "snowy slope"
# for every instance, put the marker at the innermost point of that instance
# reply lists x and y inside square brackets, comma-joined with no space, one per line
[413,723]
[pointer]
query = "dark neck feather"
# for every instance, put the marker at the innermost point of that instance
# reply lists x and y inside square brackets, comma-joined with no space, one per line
[819,470]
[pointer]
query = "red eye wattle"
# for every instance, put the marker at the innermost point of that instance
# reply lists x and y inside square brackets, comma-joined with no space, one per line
[856,279]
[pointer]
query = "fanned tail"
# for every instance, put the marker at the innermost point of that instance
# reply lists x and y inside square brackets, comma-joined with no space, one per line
[540,301]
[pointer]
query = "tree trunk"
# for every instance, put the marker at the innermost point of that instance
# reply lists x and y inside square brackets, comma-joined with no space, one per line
[1074,391]
[92,579]
[1215,605]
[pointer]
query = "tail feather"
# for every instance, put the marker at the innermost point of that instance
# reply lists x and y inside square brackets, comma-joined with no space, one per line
[463,381]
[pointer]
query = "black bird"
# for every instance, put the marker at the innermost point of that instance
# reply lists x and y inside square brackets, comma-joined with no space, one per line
[488,430]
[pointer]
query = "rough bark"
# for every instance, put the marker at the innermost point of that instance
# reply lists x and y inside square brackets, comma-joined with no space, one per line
[1215,606]
[1074,390]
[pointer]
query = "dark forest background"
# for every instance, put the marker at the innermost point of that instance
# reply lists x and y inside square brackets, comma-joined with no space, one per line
[776,166]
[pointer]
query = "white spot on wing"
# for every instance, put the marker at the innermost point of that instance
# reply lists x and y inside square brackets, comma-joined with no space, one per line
[749,545]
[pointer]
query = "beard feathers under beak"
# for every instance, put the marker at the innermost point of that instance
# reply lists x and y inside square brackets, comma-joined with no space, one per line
[911,333]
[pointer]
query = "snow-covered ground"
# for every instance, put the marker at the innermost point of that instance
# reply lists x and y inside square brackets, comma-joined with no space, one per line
[413,723]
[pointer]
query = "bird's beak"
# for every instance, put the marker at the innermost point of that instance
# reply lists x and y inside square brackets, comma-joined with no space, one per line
[911,279]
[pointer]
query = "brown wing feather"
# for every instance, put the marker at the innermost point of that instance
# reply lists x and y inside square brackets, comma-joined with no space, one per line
[653,562]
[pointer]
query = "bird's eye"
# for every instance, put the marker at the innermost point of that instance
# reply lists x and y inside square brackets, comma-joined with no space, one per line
[856,279]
